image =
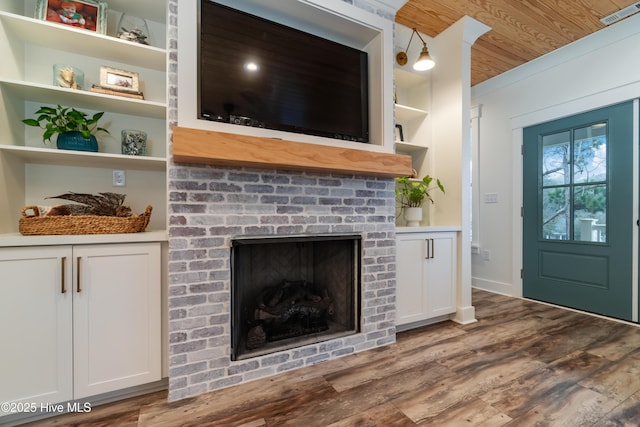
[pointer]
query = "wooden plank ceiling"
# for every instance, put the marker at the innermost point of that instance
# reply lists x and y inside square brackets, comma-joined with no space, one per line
[522,30]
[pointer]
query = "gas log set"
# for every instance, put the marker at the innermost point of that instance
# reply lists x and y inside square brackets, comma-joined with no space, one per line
[287,310]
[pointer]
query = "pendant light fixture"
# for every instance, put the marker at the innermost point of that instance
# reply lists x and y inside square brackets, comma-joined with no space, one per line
[424,62]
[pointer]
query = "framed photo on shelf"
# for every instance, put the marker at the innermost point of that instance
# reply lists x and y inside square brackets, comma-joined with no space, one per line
[119,80]
[87,14]
[399,134]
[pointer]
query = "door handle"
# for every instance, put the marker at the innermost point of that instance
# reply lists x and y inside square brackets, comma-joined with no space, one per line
[78,288]
[63,289]
[433,248]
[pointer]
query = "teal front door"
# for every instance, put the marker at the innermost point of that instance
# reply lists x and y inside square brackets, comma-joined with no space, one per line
[578,211]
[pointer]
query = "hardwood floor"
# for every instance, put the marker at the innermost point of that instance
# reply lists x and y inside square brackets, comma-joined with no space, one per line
[521,364]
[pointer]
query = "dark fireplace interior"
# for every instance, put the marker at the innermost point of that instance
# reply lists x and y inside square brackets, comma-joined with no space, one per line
[292,291]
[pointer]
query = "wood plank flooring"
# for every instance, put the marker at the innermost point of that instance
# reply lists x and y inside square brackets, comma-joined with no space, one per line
[521,364]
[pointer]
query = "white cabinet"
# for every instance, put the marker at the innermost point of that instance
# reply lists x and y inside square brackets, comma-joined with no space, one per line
[116,316]
[36,324]
[32,170]
[426,276]
[78,321]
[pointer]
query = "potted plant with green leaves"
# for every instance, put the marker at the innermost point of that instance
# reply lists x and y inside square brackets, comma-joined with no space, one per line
[76,129]
[411,194]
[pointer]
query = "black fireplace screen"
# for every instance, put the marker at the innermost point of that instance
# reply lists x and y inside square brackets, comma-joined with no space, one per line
[293,291]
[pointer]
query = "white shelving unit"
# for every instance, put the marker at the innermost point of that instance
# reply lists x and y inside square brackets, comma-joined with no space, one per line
[412,113]
[47,156]
[130,269]
[405,113]
[44,93]
[31,170]
[83,42]
[413,104]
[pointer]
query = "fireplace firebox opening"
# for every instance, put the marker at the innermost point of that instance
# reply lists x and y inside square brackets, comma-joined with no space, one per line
[292,291]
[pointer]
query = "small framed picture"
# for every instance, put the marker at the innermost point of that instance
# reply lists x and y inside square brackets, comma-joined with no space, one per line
[119,80]
[88,14]
[399,134]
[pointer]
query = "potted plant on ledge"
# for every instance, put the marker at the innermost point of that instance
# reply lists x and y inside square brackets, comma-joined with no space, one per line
[75,128]
[411,193]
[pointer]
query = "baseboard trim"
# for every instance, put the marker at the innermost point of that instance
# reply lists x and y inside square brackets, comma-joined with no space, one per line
[100,399]
[493,286]
[420,323]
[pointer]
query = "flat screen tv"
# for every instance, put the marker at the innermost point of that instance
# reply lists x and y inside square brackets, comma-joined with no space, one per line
[256,72]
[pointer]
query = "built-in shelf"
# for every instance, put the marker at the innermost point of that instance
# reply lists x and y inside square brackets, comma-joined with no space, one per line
[50,156]
[405,113]
[30,46]
[63,96]
[412,109]
[227,149]
[82,42]
[407,147]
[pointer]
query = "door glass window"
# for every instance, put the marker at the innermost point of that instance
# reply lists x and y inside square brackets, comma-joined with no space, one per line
[574,184]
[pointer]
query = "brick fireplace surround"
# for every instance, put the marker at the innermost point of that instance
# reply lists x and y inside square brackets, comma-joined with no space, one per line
[210,205]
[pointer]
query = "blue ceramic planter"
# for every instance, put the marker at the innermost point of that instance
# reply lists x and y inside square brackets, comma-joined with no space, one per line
[75,141]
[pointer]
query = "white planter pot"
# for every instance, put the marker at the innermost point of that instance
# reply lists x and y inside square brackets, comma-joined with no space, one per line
[413,216]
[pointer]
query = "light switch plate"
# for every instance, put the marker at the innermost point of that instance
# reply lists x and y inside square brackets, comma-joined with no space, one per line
[491,197]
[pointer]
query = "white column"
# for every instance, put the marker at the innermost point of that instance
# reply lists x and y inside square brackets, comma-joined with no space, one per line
[451,143]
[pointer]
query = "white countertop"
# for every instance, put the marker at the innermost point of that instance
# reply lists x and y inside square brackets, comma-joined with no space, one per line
[9,240]
[428,229]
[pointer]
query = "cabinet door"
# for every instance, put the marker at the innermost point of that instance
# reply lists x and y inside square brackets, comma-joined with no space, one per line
[35,325]
[410,282]
[116,312]
[441,273]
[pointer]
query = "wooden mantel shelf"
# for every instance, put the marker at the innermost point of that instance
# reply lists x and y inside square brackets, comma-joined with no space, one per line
[229,149]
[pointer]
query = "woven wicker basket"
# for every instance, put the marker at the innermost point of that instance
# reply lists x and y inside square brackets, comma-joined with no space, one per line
[36,225]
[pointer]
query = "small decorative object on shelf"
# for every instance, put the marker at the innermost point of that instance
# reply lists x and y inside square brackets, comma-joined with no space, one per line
[68,77]
[105,91]
[88,14]
[118,82]
[134,142]
[133,29]
[75,141]
[75,128]
[103,213]
[399,133]
[103,204]
[411,193]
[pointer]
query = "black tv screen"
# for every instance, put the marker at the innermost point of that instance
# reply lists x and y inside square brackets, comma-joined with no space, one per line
[298,82]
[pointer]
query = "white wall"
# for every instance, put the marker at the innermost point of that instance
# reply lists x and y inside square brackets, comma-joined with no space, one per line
[599,70]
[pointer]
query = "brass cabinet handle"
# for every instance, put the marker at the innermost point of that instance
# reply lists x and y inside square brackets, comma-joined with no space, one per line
[78,288]
[63,289]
